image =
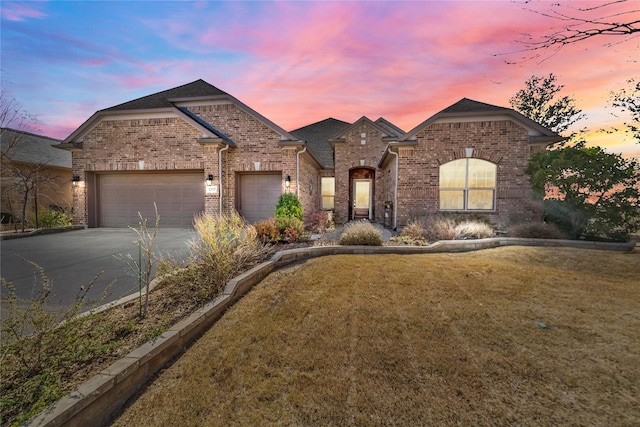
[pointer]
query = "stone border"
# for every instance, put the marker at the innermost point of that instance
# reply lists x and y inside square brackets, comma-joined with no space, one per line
[105,394]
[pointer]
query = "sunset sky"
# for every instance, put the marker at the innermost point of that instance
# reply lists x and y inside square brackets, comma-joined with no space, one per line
[300,62]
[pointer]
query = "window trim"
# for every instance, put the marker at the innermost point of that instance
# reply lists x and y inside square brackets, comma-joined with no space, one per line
[465,189]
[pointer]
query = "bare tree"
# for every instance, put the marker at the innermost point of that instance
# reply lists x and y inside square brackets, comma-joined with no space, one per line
[581,23]
[25,165]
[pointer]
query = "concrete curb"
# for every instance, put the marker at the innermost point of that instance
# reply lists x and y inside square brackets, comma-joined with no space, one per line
[97,400]
[49,230]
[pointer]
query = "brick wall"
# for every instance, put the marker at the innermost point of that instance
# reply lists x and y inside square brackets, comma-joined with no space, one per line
[352,155]
[504,143]
[171,144]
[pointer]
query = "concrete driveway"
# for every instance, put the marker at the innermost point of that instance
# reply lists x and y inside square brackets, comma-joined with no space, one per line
[75,258]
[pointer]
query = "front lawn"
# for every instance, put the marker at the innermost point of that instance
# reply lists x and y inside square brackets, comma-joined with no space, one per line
[506,336]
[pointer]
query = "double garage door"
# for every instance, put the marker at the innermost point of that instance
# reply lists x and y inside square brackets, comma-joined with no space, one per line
[178,197]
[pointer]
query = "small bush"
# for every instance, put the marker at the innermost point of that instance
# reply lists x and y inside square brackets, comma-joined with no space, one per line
[288,206]
[449,227]
[360,233]
[290,228]
[536,230]
[414,230]
[321,221]
[408,240]
[439,228]
[225,246]
[267,230]
[473,230]
[48,218]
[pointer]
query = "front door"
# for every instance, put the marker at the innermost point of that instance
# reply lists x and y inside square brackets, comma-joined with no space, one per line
[361,199]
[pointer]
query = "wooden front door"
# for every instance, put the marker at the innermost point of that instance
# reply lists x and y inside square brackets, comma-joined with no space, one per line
[361,199]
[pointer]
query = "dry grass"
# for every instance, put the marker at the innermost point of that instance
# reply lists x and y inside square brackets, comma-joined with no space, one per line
[442,339]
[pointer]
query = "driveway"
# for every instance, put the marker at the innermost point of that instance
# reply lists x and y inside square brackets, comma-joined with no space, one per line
[74,259]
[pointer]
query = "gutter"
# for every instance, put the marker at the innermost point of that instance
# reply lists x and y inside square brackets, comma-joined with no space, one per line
[220,173]
[395,191]
[298,171]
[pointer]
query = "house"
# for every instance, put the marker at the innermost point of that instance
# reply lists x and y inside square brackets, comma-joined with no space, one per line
[33,167]
[196,148]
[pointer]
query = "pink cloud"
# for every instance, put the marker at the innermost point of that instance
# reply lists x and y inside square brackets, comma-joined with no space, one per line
[13,11]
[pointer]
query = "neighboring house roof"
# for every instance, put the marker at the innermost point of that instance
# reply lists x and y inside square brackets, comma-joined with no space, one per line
[26,147]
[317,136]
[470,108]
[170,101]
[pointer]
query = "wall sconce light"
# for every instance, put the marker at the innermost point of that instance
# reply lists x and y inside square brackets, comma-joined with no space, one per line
[209,180]
[75,180]
[287,182]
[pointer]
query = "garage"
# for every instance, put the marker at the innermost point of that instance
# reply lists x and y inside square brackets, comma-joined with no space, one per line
[258,196]
[179,196]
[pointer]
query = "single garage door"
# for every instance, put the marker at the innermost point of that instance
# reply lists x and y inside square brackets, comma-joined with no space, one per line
[259,194]
[178,197]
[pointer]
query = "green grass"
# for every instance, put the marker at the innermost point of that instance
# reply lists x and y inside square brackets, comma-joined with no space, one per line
[439,339]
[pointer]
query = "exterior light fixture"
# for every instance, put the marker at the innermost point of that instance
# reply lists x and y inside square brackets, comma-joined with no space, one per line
[209,180]
[287,182]
[75,180]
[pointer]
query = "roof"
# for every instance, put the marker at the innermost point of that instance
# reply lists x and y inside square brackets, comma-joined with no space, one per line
[169,102]
[469,108]
[391,129]
[196,89]
[26,147]
[317,136]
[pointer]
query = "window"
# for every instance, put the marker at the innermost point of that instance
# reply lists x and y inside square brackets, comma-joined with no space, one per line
[468,184]
[328,191]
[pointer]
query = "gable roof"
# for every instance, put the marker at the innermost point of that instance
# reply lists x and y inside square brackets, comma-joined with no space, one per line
[26,147]
[317,136]
[392,129]
[196,89]
[380,124]
[469,108]
[168,101]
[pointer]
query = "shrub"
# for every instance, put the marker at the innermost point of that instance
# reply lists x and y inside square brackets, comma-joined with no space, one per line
[473,230]
[408,240]
[321,221]
[40,348]
[439,228]
[225,245]
[50,218]
[290,228]
[449,227]
[414,231]
[288,206]
[360,233]
[5,218]
[267,230]
[536,230]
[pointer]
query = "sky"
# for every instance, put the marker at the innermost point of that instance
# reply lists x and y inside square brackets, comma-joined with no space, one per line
[298,62]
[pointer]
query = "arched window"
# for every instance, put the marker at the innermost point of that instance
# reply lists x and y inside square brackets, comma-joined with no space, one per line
[468,185]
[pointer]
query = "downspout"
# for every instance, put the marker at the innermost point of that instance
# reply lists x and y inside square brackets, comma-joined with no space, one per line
[220,173]
[395,193]
[298,171]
